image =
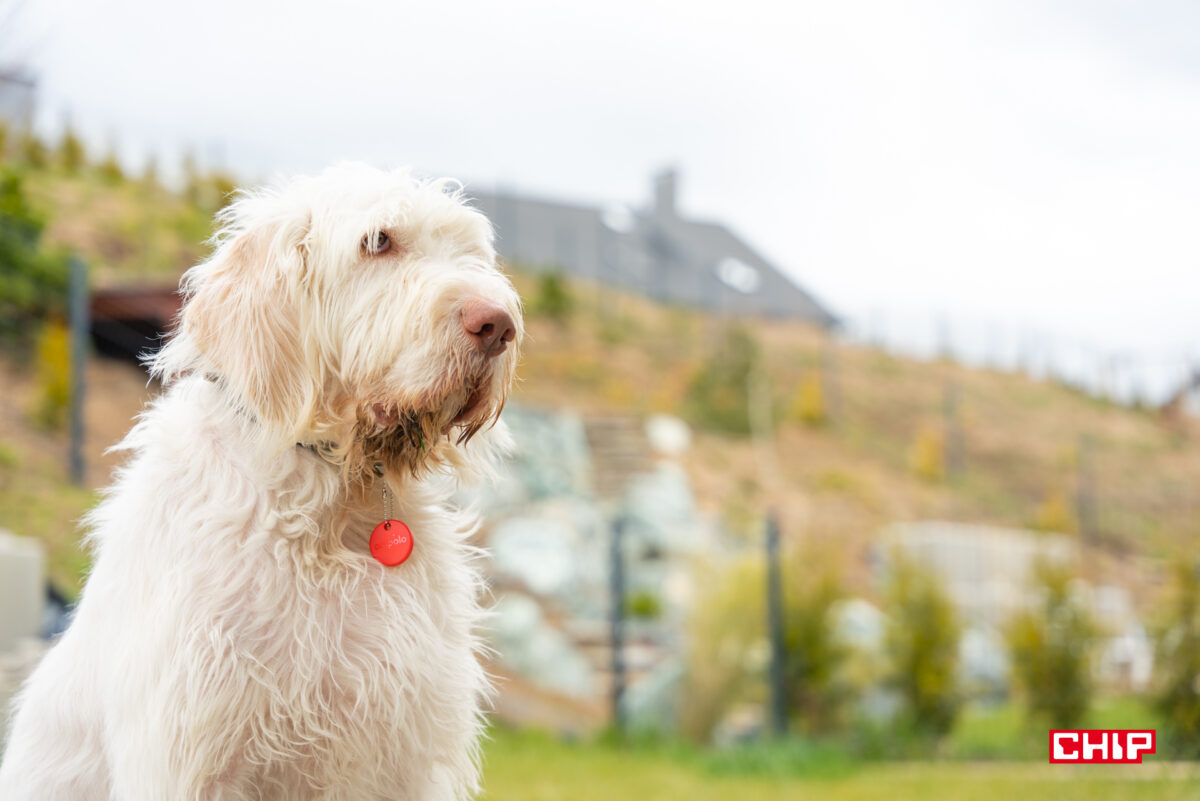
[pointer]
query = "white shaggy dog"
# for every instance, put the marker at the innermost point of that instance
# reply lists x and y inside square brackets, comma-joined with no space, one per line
[239,636]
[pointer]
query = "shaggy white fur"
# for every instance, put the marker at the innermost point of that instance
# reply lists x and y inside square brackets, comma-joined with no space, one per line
[235,639]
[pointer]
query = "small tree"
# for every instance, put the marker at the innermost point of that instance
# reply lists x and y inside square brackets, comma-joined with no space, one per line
[110,168]
[718,395]
[553,299]
[72,155]
[33,283]
[53,375]
[33,151]
[813,656]
[1179,660]
[922,647]
[927,459]
[1051,646]
[809,405]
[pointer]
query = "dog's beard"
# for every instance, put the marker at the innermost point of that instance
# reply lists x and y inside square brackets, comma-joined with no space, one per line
[401,439]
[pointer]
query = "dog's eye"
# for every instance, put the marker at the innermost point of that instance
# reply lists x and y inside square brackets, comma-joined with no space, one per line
[376,243]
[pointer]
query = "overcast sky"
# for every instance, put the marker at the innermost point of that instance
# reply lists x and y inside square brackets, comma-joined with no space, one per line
[1021,165]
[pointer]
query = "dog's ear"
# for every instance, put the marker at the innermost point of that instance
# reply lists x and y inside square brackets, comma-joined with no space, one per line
[244,320]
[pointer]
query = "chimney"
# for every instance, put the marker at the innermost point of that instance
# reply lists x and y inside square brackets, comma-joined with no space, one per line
[664,193]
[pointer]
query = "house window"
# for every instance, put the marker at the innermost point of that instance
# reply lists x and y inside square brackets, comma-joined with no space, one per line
[736,274]
[619,218]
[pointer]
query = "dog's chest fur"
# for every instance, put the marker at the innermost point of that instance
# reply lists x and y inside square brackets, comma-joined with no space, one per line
[290,658]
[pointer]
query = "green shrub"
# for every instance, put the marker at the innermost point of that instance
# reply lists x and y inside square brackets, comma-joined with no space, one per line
[725,644]
[53,375]
[33,151]
[922,647]
[1051,645]
[643,605]
[553,298]
[813,655]
[809,404]
[33,282]
[1179,664]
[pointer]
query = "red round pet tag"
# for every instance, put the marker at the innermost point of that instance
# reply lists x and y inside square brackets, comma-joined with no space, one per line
[391,542]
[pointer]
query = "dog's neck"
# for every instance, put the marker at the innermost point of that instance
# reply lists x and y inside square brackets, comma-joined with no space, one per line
[362,478]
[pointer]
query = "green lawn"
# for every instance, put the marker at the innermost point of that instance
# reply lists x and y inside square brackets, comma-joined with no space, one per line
[1004,733]
[535,767]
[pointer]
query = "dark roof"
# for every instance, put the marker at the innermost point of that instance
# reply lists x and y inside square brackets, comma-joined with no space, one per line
[129,322]
[656,253]
[150,303]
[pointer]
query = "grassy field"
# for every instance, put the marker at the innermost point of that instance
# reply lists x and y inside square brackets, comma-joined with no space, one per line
[1003,731]
[535,767]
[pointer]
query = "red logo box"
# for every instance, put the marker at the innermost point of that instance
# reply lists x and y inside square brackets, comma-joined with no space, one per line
[1102,746]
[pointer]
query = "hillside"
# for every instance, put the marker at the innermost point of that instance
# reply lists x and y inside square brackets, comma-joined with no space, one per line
[857,435]
[1026,448]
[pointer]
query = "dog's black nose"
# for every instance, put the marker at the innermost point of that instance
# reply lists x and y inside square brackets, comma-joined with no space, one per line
[488,325]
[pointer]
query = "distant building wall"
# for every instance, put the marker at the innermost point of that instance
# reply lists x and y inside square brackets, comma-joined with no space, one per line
[986,570]
[18,96]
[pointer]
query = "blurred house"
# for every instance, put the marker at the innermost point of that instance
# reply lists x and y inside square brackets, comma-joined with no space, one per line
[655,252]
[18,98]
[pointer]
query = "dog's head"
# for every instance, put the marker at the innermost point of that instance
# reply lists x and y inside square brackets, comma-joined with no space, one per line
[358,311]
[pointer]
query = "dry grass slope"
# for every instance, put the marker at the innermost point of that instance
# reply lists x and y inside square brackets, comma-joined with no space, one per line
[842,474]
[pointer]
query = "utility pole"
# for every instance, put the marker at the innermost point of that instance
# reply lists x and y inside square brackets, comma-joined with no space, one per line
[775,629]
[80,330]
